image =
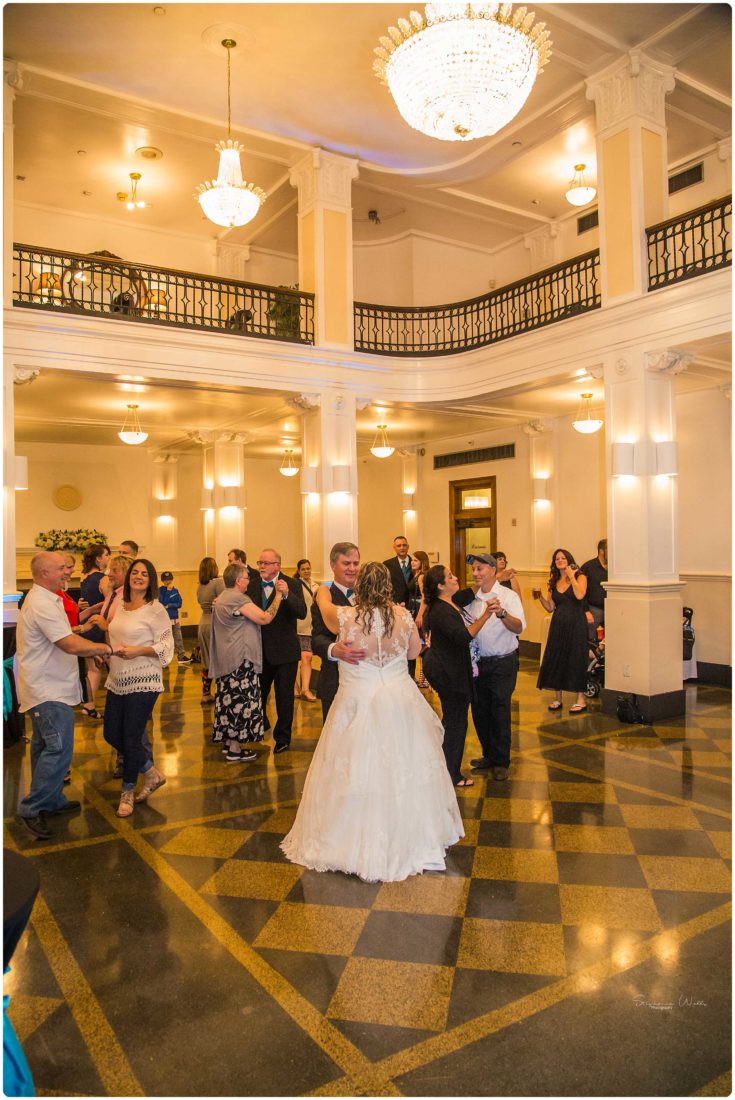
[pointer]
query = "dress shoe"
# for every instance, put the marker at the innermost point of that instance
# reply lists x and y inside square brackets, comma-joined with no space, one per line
[70,807]
[500,774]
[282,747]
[481,762]
[36,825]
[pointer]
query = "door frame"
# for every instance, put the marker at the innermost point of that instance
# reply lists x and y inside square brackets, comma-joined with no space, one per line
[485,517]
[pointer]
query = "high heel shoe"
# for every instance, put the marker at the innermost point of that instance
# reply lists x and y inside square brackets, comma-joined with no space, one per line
[309,696]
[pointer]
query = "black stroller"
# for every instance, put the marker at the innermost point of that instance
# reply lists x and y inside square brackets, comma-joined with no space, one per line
[596,666]
[688,615]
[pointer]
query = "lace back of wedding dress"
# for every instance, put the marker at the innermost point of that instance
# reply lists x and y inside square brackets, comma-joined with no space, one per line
[381,648]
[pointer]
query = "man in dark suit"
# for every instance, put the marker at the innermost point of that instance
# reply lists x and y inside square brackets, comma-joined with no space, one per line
[281,649]
[399,568]
[239,556]
[344,558]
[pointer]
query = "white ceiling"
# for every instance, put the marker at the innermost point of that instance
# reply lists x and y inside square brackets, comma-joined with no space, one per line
[100,81]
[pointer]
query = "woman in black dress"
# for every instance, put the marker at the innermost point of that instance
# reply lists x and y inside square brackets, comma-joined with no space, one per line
[564,667]
[95,561]
[447,664]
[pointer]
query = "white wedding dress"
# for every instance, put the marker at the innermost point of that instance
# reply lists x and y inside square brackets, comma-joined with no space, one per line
[378,801]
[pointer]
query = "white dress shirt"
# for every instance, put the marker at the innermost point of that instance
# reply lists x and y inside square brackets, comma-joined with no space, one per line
[494,639]
[350,600]
[45,673]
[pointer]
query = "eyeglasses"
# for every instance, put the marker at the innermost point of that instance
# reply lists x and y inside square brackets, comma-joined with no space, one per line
[259,563]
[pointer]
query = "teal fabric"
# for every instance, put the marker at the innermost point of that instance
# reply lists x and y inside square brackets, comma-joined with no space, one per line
[17,1080]
[7,688]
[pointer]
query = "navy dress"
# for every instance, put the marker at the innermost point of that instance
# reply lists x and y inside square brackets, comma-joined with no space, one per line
[90,590]
[564,667]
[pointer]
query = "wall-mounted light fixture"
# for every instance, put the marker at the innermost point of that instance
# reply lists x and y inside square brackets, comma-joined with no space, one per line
[20,472]
[341,479]
[408,505]
[667,458]
[309,479]
[207,500]
[623,459]
[541,489]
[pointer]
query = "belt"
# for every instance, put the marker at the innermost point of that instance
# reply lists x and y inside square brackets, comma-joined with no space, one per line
[500,656]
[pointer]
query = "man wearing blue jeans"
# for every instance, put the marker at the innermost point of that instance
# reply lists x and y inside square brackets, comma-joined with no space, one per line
[48,688]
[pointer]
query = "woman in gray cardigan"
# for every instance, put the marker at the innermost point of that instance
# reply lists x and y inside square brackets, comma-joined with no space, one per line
[235,659]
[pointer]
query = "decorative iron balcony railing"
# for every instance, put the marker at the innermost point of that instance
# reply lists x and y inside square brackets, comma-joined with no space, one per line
[548,296]
[101,284]
[690,245]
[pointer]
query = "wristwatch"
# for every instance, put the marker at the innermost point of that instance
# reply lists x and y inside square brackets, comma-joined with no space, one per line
[502,614]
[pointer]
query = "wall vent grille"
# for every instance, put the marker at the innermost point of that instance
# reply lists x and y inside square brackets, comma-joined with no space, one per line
[687,178]
[467,458]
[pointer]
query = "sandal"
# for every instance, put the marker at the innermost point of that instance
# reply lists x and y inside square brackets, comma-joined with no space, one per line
[465,781]
[556,705]
[578,708]
[127,804]
[93,713]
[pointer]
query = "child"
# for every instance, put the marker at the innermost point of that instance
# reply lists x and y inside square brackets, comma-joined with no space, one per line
[170,597]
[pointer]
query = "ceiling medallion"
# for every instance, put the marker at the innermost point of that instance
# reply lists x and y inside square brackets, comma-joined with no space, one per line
[462,71]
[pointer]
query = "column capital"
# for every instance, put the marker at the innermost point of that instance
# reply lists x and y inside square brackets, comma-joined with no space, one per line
[22,376]
[231,259]
[543,246]
[323,177]
[667,361]
[305,401]
[724,149]
[633,86]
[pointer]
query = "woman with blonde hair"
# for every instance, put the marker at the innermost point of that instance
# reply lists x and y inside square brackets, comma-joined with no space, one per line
[378,801]
[210,586]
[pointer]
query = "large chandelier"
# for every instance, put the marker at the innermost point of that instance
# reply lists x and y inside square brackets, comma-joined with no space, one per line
[228,200]
[462,71]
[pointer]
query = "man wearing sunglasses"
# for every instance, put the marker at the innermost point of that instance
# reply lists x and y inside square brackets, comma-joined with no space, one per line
[498,660]
[281,649]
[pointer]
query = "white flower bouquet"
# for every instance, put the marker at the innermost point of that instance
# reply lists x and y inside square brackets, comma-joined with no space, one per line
[59,539]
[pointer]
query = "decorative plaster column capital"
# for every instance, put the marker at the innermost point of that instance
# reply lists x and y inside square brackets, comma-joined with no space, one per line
[22,376]
[13,74]
[724,149]
[324,178]
[634,86]
[306,401]
[668,361]
[543,246]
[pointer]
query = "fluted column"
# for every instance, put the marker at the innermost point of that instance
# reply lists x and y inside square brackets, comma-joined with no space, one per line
[12,82]
[324,183]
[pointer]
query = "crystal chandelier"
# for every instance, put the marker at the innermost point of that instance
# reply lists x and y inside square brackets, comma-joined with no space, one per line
[584,421]
[381,448]
[131,431]
[228,200]
[462,71]
[579,194]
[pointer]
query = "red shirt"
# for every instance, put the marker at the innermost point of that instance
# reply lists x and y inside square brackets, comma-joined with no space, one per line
[71,609]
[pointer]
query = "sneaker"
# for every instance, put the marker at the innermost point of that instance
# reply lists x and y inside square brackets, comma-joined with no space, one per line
[185,660]
[152,780]
[245,757]
[127,804]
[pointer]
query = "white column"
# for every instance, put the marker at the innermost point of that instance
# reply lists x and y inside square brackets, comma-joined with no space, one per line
[10,609]
[544,490]
[324,182]
[632,166]
[643,608]
[164,509]
[12,82]
[223,478]
[410,489]
[328,474]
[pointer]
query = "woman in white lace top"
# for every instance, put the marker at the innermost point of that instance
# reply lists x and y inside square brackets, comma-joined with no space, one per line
[141,630]
[377,801]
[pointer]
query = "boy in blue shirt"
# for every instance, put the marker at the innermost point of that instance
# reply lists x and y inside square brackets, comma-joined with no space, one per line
[170,597]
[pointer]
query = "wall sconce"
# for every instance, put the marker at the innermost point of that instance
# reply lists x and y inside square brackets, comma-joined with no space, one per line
[408,505]
[667,458]
[223,496]
[207,500]
[644,458]
[20,472]
[541,489]
[309,479]
[160,509]
[623,459]
[289,468]
[341,479]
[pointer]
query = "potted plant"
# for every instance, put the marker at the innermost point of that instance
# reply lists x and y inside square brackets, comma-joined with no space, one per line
[284,312]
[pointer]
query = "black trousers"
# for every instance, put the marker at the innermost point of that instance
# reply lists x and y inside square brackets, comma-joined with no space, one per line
[454,719]
[283,679]
[491,709]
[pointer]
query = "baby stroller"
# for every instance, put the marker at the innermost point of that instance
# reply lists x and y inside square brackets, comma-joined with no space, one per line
[596,666]
[688,615]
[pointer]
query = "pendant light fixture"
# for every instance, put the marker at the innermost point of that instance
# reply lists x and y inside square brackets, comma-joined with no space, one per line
[228,200]
[579,194]
[381,448]
[462,71]
[584,421]
[288,465]
[131,431]
[133,203]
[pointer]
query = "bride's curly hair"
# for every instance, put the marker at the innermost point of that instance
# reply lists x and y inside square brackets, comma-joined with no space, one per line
[374,592]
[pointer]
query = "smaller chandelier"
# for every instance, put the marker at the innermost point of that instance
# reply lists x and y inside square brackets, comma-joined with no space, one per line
[288,466]
[579,194]
[133,203]
[584,421]
[131,431]
[381,448]
[462,70]
[228,200]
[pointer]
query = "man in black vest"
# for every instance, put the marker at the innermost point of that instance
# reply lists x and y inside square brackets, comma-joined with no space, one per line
[344,558]
[399,568]
[595,570]
[281,649]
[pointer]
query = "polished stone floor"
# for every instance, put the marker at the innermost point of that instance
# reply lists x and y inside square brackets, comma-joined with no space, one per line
[578,944]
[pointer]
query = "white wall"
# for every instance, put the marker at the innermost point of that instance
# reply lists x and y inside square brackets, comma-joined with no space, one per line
[383,273]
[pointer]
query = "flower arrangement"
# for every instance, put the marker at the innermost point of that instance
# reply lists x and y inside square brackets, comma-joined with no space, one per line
[59,539]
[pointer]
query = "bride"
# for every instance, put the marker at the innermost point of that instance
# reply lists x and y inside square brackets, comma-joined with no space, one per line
[378,801]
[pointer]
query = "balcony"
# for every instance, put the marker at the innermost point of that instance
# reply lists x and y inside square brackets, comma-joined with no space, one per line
[102,285]
[693,244]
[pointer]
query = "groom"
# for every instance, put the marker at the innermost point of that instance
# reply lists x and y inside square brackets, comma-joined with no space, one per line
[344,558]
